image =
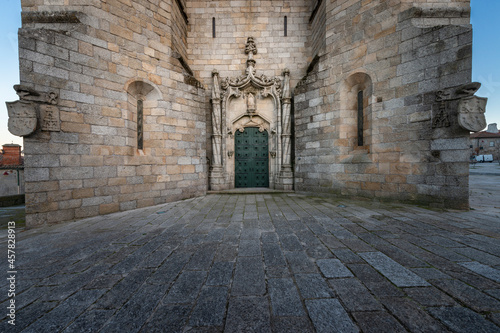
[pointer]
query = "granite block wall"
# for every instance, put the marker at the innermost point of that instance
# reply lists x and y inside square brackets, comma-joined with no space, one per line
[99,65]
[400,55]
[100,58]
[235,21]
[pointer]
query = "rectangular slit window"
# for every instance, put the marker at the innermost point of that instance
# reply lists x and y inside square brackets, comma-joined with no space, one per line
[286,26]
[360,118]
[140,136]
[213,27]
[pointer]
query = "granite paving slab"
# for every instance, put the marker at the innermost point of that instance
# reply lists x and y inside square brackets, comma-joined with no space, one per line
[260,262]
[399,275]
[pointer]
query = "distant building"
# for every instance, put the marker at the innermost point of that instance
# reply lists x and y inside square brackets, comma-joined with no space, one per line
[11,171]
[486,142]
[11,155]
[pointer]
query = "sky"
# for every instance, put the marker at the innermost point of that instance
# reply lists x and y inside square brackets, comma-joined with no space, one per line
[485,58]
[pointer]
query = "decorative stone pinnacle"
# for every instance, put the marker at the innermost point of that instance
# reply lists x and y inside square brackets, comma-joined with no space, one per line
[286,86]
[251,50]
[215,86]
[250,47]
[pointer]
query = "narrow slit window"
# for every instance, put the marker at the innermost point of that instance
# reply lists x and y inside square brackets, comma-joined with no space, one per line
[360,118]
[213,27]
[140,132]
[285,27]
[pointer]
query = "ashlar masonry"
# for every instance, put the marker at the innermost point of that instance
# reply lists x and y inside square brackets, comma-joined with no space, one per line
[132,103]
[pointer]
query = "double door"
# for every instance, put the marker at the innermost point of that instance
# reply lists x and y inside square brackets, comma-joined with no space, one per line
[252,158]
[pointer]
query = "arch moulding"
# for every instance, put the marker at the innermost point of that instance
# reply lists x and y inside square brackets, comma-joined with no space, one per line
[251,100]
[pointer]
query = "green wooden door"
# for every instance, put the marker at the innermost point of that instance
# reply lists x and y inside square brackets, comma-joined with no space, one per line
[252,158]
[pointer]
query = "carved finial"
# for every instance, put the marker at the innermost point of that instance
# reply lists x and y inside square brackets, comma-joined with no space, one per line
[251,50]
[250,47]
[286,85]
[215,87]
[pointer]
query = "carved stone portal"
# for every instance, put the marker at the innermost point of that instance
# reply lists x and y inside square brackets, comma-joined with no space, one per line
[251,100]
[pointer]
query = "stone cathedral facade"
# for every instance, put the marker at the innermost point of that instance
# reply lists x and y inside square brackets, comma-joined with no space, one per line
[131,103]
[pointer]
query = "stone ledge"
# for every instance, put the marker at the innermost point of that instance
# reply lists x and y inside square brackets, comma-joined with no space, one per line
[50,17]
[445,12]
[257,190]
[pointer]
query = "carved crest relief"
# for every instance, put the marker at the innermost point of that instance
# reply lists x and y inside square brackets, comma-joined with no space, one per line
[471,113]
[22,118]
[470,108]
[49,115]
[32,107]
[441,119]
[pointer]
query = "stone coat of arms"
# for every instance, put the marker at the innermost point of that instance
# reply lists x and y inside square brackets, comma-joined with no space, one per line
[22,118]
[471,113]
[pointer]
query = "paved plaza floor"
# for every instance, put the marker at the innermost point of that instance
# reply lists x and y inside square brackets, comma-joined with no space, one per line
[264,262]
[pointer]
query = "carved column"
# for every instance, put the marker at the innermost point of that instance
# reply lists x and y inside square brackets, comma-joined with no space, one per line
[216,172]
[286,173]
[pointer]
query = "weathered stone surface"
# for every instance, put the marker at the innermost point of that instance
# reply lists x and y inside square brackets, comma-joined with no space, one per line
[354,295]
[459,319]
[313,286]
[329,315]
[186,288]
[220,274]
[62,315]
[249,277]
[300,262]
[22,118]
[292,324]
[273,255]
[478,300]
[377,322]
[333,268]
[486,271]
[412,316]
[399,275]
[429,296]
[135,312]
[248,313]
[50,119]
[210,308]
[285,300]
[168,317]
[133,271]
[96,75]
[249,248]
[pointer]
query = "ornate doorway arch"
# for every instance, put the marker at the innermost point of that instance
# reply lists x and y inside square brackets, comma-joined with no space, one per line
[251,101]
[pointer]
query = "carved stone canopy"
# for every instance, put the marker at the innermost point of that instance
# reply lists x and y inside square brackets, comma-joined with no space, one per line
[250,78]
[251,101]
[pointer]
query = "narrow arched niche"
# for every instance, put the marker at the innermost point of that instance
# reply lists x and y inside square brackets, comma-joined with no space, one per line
[356,112]
[142,96]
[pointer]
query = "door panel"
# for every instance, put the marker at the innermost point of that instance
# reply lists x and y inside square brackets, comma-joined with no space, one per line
[252,158]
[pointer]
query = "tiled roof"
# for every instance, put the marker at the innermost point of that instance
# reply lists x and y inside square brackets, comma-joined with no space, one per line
[485,135]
